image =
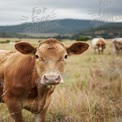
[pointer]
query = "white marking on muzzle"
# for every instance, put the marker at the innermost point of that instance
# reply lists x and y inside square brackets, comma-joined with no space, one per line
[51,79]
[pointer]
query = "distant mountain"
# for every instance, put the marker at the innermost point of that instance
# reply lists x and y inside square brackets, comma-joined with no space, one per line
[60,27]
[64,26]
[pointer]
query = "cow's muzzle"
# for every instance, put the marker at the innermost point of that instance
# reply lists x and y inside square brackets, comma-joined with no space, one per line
[52,79]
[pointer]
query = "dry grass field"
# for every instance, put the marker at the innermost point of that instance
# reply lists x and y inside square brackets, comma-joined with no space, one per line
[92,91]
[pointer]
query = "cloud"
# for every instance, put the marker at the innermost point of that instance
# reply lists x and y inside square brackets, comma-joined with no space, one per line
[12,12]
[107,10]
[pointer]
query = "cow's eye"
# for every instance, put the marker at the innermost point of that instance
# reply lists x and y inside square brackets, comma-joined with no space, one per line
[65,56]
[36,56]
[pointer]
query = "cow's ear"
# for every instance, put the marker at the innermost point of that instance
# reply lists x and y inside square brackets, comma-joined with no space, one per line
[77,48]
[25,48]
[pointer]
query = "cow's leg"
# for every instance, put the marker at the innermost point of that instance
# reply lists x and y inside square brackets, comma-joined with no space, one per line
[117,51]
[94,50]
[98,51]
[1,91]
[101,51]
[15,109]
[41,116]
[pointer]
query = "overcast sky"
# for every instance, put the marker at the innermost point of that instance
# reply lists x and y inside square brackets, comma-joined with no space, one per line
[19,11]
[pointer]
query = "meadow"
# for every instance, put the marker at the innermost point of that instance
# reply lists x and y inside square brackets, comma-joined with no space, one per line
[92,89]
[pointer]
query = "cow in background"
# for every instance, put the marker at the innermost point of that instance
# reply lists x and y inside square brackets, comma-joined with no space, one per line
[31,74]
[117,43]
[99,44]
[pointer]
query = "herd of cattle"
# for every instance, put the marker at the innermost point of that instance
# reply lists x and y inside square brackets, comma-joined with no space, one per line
[99,44]
[29,75]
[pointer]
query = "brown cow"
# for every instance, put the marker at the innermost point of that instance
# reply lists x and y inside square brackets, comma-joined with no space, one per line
[117,43]
[99,44]
[31,74]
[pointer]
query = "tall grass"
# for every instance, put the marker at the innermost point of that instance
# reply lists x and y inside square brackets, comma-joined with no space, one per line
[96,99]
[92,91]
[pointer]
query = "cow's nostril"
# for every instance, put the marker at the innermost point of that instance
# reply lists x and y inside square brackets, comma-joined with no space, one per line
[52,78]
[45,77]
[58,77]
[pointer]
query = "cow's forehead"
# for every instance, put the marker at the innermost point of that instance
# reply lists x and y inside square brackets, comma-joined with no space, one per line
[51,47]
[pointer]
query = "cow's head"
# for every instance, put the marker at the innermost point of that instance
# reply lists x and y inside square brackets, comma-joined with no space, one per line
[50,58]
[101,45]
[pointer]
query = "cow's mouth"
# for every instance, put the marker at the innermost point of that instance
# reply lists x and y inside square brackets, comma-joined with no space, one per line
[51,79]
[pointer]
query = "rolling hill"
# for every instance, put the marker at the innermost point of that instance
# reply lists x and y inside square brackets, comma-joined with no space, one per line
[64,26]
[60,27]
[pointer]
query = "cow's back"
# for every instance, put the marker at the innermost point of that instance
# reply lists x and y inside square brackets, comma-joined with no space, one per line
[117,39]
[4,54]
[94,42]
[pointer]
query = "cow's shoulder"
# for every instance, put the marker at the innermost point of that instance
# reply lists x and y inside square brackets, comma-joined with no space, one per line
[19,73]
[18,62]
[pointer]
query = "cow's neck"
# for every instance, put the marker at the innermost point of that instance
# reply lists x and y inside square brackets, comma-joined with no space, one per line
[44,90]
[44,95]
